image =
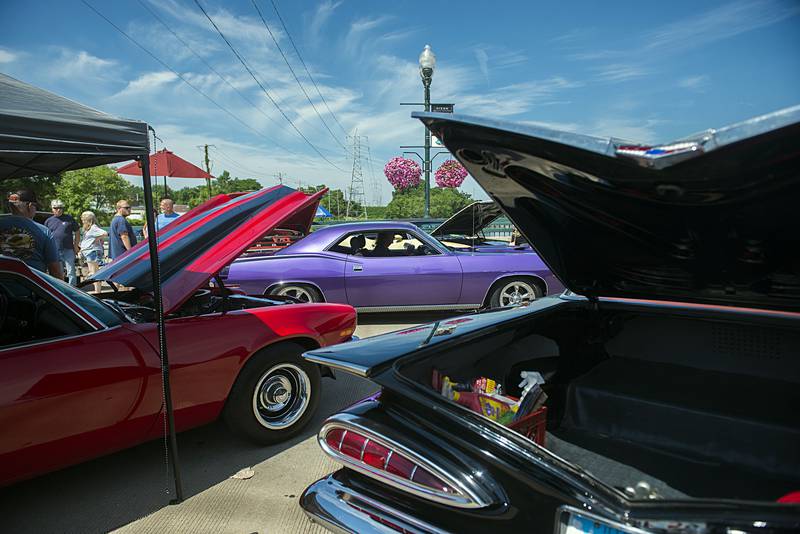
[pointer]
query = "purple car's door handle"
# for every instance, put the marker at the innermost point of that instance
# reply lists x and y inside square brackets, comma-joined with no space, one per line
[358,267]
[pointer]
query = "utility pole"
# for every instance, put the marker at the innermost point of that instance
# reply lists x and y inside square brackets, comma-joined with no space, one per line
[279,177]
[208,170]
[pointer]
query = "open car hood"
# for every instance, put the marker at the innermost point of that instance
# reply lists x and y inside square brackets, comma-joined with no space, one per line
[712,218]
[199,243]
[470,220]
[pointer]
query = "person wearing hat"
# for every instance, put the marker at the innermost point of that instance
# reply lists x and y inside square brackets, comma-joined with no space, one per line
[68,238]
[27,240]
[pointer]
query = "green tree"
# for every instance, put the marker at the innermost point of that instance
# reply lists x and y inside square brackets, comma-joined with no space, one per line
[43,186]
[226,184]
[96,189]
[410,203]
[336,202]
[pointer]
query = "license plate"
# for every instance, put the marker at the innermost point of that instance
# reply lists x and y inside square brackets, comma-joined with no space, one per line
[584,525]
[574,521]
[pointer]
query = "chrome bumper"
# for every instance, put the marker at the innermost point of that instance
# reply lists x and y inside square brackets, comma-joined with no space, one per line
[340,509]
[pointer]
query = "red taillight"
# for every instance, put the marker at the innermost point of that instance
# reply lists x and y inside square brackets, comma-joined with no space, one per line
[363,450]
[334,438]
[376,455]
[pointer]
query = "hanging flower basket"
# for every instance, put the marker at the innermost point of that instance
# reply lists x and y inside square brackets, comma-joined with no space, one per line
[450,174]
[402,173]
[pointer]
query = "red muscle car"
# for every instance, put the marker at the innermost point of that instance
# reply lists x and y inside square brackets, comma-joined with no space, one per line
[80,374]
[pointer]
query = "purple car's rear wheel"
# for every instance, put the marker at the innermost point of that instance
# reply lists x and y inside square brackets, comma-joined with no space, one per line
[514,292]
[300,292]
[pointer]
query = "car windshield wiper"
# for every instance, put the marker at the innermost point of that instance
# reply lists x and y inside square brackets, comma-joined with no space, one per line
[117,309]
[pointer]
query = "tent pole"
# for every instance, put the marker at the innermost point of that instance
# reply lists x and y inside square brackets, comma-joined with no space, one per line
[162,333]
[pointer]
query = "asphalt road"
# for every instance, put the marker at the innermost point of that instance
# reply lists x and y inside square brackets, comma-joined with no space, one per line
[130,490]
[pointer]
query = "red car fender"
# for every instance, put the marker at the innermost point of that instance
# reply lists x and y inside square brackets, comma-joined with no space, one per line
[208,352]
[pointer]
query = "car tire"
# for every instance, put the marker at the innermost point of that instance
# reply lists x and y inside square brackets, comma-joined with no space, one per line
[513,292]
[301,292]
[275,395]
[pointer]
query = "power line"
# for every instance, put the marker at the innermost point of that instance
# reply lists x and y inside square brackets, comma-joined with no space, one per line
[286,60]
[212,69]
[231,161]
[179,75]
[247,67]
[289,35]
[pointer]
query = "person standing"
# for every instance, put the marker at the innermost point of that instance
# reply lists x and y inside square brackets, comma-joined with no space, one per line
[23,238]
[122,238]
[167,214]
[92,244]
[67,236]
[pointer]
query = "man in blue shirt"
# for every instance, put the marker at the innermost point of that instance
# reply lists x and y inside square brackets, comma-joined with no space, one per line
[167,214]
[68,238]
[27,240]
[121,237]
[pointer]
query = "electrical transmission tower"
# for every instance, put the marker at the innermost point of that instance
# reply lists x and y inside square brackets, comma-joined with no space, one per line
[356,191]
[377,198]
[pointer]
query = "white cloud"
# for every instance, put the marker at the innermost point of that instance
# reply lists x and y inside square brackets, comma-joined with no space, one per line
[620,72]
[147,83]
[358,31]
[6,56]
[319,19]
[719,23]
[483,62]
[80,65]
[696,83]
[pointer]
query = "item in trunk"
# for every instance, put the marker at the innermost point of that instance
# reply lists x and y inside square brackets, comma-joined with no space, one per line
[484,385]
[533,398]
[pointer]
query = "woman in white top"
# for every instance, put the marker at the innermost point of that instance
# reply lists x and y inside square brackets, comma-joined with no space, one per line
[92,243]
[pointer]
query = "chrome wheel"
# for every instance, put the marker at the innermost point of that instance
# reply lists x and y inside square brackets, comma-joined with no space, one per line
[300,293]
[517,292]
[281,396]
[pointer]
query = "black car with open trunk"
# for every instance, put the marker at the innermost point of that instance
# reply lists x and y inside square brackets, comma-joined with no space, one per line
[670,369]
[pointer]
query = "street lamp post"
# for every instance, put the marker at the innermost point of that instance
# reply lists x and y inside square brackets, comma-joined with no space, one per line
[427,62]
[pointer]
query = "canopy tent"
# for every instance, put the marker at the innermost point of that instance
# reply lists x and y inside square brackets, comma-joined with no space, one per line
[322,212]
[42,133]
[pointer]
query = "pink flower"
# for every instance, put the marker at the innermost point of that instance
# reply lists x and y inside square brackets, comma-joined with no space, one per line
[450,174]
[402,173]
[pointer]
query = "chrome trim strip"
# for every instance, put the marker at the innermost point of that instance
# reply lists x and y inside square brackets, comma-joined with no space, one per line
[420,307]
[57,339]
[465,498]
[338,508]
[347,367]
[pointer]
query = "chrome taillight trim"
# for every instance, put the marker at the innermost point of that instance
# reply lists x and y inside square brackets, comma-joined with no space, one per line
[464,498]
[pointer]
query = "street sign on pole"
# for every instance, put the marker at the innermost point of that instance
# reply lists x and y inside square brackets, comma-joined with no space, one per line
[442,108]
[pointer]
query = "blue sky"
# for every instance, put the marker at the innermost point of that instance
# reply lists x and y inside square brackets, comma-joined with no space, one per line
[648,72]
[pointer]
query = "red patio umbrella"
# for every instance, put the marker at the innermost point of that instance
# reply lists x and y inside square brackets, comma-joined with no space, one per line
[167,164]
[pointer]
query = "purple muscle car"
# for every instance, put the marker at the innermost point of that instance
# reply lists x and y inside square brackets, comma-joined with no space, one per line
[392,266]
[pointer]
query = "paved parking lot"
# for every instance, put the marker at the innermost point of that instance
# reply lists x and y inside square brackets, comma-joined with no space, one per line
[127,491]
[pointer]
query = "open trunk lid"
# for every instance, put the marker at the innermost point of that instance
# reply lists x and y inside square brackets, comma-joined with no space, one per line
[199,243]
[708,219]
[470,220]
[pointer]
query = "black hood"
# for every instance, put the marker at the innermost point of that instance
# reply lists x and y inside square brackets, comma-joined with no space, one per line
[712,218]
[470,220]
